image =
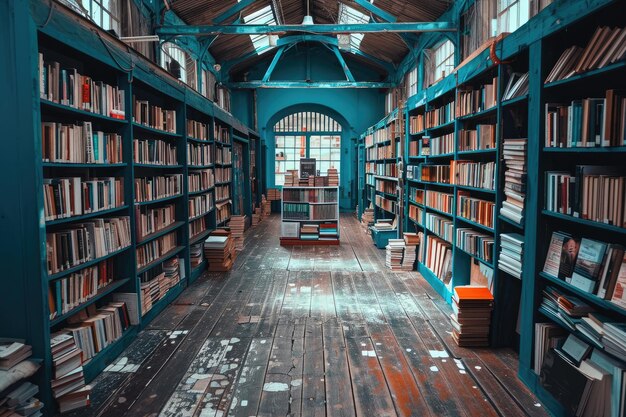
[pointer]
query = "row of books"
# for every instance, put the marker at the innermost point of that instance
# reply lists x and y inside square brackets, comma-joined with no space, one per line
[389,151]
[199,154]
[606,46]
[471,100]
[414,148]
[322,195]
[67,248]
[431,173]
[384,134]
[200,205]
[68,197]
[79,144]
[590,265]
[589,122]
[438,258]
[438,200]
[511,254]
[471,316]
[416,124]
[222,211]
[200,180]
[196,254]
[68,87]
[483,137]
[273,194]
[514,155]
[223,174]
[388,187]
[417,195]
[475,209]
[157,282]
[156,248]
[196,227]
[223,156]
[440,225]
[385,204]
[154,151]
[596,193]
[474,174]
[475,243]
[154,188]
[153,116]
[221,133]
[79,287]
[416,213]
[439,145]
[387,169]
[439,116]
[152,219]
[197,130]
[222,192]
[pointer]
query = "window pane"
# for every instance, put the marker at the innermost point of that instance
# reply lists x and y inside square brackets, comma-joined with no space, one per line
[290,141]
[316,141]
[314,153]
[336,142]
[335,154]
[323,167]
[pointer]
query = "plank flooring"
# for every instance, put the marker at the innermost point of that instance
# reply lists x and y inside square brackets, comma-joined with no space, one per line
[308,331]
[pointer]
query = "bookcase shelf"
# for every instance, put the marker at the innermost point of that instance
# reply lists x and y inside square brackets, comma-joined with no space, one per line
[87,264]
[173,252]
[141,128]
[434,210]
[476,225]
[159,233]
[599,150]
[102,292]
[66,165]
[96,364]
[200,236]
[478,258]
[480,190]
[478,152]
[589,223]
[51,106]
[157,166]
[206,190]
[86,216]
[585,76]
[440,156]
[199,216]
[158,200]
[480,115]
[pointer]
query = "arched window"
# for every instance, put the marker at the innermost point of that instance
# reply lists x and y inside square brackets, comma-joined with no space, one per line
[306,135]
[169,52]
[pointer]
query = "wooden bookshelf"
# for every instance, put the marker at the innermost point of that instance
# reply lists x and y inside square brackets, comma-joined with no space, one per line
[299,206]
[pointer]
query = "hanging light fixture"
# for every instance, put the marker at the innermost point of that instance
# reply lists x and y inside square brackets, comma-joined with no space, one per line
[308,19]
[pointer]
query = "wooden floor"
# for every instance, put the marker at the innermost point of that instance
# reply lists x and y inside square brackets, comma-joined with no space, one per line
[308,331]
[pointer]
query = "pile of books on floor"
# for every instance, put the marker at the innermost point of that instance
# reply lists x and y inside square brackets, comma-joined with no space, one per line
[367,218]
[273,194]
[511,252]
[237,225]
[309,231]
[266,207]
[68,385]
[328,231]
[219,250]
[514,154]
[395,251]
[257,216]
[471,315]
[411,242]
[195,254]
[333,177]
[17,396]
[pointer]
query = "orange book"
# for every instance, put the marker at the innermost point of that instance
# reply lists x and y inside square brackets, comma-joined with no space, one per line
[471,293]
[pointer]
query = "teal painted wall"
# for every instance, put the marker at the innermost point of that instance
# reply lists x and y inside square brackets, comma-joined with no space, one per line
[356,109]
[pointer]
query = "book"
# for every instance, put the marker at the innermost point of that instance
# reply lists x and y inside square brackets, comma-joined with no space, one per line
[588,265]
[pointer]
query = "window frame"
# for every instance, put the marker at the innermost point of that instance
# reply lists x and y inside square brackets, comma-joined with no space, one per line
[511,6]
[182,61]
[113,12]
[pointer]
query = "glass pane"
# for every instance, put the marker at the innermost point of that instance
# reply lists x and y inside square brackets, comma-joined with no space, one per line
[280,179]
[325,153]
[290,141]
[335,164]
[336,142]
[326,141]
[323,167]
[293,164]
[315,141]
[314,153]
[280,141]
[335,154]
[279,166]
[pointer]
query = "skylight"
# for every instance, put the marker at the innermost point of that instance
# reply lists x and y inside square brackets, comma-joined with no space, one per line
[349,14]
[264,16]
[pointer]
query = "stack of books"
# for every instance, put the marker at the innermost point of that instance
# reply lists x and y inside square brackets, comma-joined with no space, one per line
[511,252]
[333,177]
[565,309]
[17,396]
[472,315]
[219,250]
[195,255]
[385,224]
[411,242]
[68,385]
[328,231]
[257,216]
[395,251]
[514,154]
[273,194]
[266,208]
[292,178]
[367,218]
[237,225]
[309,231]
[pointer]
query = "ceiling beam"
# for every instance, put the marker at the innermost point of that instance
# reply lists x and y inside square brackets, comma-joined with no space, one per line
[275,60]
[377,11]
[307,84]
[402,27]
[239,7]
[343,64]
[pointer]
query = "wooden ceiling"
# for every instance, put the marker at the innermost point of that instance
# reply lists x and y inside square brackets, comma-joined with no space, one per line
[388,47]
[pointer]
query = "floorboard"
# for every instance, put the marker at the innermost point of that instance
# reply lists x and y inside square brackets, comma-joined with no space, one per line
[309,331]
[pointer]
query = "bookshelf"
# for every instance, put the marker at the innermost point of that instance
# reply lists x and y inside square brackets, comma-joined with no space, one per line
[309,215]
[136,148]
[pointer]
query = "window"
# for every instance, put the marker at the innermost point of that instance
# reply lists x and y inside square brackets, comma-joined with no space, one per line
[306,135]
[264,16]
[411,82]
[169,52]
[512,14]
[439,62]
[208,85]
[105,13]
[349,14]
